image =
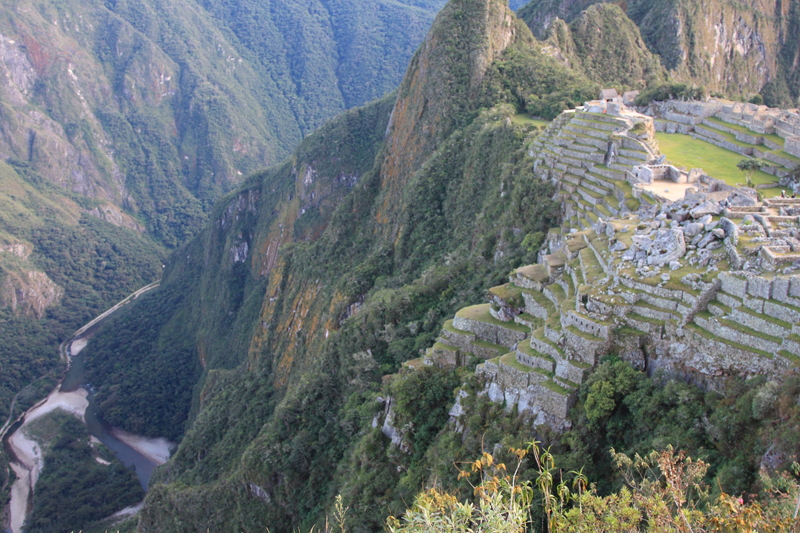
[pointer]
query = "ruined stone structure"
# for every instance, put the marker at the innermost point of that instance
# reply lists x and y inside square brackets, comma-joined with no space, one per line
[704,285]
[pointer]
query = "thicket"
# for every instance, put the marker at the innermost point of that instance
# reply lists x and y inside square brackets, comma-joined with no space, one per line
[669,91]
[74,489]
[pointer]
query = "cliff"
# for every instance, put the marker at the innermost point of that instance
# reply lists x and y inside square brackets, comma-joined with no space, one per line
[737,49]
[301,319]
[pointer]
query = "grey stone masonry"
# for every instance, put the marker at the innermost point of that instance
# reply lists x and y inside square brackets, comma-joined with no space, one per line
[757,323]
[566,370]
[733,359]
[459,340]
[545,348]
[535,361]
[585,350]
[586,325]
[488,332]
[737,336]
[733,284]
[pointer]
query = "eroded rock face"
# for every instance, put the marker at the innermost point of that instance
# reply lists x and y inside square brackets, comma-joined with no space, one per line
[29,293]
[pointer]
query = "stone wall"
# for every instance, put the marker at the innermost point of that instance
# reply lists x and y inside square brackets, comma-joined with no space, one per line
[489,332]
[585,325]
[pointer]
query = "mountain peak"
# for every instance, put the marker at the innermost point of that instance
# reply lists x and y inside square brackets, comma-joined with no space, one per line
[440,87]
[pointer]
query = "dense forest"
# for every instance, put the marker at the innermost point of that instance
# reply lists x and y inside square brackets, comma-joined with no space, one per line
[79,484]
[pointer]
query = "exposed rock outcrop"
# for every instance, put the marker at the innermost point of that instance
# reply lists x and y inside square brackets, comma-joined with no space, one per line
[29,293]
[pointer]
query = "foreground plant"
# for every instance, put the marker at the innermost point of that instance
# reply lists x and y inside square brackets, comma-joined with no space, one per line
[664,491]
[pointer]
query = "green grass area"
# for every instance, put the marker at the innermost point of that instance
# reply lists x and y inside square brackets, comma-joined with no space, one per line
[509,293]
[500,350]
[555,387]
[526,120]
[790,356]
[480,313]
[444,347]
[534,272]
[721,306]
[570,383]
[448,326]
[581,364]
[414,363]
[510,359]
[719,163]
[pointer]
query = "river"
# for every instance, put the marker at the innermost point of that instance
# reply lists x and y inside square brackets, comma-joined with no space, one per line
[74,396]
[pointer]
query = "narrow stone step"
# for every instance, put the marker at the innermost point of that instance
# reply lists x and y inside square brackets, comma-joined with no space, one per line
[700,330]
[542,344]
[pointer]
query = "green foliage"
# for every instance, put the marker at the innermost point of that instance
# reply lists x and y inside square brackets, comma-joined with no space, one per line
[669,91]
[116,366]
[74,489]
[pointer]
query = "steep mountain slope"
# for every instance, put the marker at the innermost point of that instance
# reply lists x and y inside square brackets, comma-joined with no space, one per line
[278,326]
[358,284]
[159,107]
[121,124]
[730,47]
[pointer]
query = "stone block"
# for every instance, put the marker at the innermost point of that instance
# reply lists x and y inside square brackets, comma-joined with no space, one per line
[794,287]
[759,287]
[780,289]
[733,284]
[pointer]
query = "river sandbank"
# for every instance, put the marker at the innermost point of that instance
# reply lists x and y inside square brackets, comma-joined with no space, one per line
[157,450]
[30,459]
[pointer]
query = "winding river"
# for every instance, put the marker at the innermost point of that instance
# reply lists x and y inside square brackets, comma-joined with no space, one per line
[74,396]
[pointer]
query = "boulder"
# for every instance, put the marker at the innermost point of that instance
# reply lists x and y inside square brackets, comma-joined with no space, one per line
[667,246]
[691,229]
[706,208]
[719,233]
[705,241]
[705,220]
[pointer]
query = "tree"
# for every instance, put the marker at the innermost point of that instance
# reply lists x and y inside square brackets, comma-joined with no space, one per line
[750,166]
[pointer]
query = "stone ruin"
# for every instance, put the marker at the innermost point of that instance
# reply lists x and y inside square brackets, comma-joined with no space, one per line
[705,286]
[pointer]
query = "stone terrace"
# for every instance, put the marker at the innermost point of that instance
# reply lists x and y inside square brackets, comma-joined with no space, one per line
[703,285]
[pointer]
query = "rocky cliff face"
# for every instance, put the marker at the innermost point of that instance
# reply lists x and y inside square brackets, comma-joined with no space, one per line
[159,108]
[29,293]
[730,47]
[444,77]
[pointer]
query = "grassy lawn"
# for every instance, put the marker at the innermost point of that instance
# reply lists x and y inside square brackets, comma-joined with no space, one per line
[522,118]
[719,163]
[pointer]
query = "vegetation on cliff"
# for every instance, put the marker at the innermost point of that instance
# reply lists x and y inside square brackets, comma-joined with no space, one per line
[705,43]
[319,278]
[78,485]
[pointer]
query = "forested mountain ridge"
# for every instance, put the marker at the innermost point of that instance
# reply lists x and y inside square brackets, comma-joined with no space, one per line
[160,107]
[122,122]
[737,49]
[279,329]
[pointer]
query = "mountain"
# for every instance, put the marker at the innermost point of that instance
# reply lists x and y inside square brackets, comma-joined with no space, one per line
[122,123]
[159,108]
[320,275]
[279,347]
[737,49]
